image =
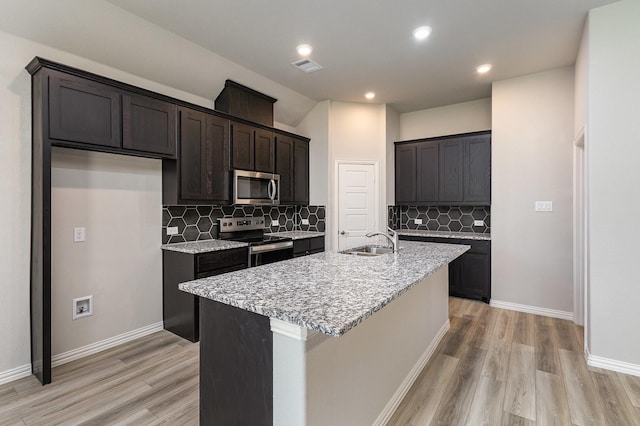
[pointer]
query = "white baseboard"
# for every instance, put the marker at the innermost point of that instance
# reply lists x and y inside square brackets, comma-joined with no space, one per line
[401,392]
[94,348]
[532,310]
[612,364]
[15,374]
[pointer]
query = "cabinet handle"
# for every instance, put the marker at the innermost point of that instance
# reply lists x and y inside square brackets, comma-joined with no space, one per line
[342,232]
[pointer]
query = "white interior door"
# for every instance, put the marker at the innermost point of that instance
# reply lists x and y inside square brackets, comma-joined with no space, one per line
[579,251]
[356,204]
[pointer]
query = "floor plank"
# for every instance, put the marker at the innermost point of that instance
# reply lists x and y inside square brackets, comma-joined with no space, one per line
[584,404]
[520,394]
[631,385]
[552,408]
[486,408]
[546,348]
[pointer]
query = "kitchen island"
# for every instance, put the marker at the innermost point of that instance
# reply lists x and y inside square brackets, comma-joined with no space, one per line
[323,339]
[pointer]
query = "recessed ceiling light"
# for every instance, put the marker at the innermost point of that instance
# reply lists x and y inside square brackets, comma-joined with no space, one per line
[484,68]
[421,33]
[369,95]
[304,49]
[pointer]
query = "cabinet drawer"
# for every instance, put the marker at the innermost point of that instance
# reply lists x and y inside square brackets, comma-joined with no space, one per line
[221,259]
[316,244]
[308,246]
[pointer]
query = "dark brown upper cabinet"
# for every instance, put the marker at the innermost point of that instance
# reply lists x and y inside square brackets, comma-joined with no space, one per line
[292,164]
[83,111]
[428,157]
[252,148]
[301,172]
[477,165]
[284,167]
[264,151]
[451,171]
[406,173]
[201,173]
[148,125]
[87,113]
[445,170]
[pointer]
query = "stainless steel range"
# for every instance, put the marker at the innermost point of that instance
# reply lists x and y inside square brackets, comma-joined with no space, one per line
[263,248]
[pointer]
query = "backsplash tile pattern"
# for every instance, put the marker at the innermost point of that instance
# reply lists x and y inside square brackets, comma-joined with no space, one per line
[201,222]
[441,218]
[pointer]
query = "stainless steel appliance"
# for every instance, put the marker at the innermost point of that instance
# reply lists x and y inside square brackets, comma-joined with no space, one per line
[263,248]
[256,188]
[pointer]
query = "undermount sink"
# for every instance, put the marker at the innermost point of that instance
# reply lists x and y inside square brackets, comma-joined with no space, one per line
[368,251]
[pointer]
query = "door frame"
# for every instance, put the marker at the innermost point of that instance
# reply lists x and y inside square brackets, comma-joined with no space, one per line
[581,234]
[335,233]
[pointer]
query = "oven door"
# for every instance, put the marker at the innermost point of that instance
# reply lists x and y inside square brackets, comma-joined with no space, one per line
[256,188]
[270,253]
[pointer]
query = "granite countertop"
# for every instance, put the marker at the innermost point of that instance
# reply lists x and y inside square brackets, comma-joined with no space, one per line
[443,234]
[327,292]
[204,246]
[297,235]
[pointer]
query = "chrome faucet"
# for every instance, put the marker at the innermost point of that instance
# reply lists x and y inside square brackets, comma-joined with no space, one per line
[393,237]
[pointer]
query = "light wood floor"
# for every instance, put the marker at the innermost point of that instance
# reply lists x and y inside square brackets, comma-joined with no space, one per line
[494,367]
[498,367]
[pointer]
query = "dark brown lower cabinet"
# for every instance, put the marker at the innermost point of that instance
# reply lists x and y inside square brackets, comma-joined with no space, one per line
[470,274]
[180,310]
[308,246]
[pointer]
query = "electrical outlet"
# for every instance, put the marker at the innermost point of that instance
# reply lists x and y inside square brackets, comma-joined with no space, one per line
[478,223]
[275,223]
[544,206]
[79,235]
[417,221]
[305,221]
[172,230]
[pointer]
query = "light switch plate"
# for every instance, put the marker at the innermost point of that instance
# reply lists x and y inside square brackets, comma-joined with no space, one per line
[544,206]
[79,235]
[478,223]
[417,221]
[275,223]
[305,221]
[172,230]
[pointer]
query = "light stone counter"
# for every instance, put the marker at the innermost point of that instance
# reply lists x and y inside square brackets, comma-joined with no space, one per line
[327,292]
[204,246]
[443,234]
[297,235]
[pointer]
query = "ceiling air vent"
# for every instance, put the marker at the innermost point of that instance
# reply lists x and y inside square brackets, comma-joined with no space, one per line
[307,65]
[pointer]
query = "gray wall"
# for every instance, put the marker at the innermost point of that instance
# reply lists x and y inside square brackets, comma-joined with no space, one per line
[532,135]
[613,149]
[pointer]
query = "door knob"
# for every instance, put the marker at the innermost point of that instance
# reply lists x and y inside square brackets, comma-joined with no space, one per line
[342,232]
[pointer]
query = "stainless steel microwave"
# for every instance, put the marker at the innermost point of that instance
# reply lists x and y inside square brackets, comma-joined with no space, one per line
[256,188]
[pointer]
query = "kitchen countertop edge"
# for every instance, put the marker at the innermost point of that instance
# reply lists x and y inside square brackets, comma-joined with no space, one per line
[203,246]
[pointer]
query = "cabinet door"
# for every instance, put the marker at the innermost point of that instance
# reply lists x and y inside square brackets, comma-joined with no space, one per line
[451,171]
[428,175]
[83,111]
[475,279]
[284,167]
[193,155]
[264,151]
[242,147]
[477,166]
[148,125]
[204,156]
[406,168]
[219,177]
[301,172]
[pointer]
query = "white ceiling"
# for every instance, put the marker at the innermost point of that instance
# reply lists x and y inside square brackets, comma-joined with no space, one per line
[367,44]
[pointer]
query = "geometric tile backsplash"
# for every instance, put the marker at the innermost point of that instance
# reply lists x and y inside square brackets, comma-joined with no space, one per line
[201,222]
[441,218]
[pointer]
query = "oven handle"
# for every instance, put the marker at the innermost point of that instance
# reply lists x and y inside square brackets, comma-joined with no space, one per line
[270,247]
